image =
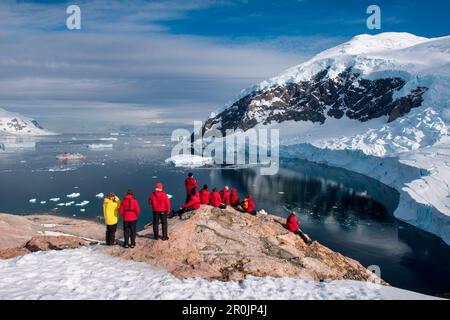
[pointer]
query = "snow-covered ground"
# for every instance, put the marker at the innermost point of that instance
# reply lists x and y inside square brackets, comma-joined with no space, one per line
[86,274]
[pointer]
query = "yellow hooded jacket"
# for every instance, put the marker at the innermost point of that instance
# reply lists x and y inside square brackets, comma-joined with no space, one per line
[111,210]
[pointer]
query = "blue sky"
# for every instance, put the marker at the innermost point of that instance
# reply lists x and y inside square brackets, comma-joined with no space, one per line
[173,61]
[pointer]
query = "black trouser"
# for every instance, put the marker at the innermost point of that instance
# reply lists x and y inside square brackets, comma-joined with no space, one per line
[111,234]
[302,235]
[129,231]
[184,210]
[159,216]
[188,197]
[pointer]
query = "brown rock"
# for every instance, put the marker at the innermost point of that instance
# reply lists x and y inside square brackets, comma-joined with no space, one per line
[43,243]
[229,245]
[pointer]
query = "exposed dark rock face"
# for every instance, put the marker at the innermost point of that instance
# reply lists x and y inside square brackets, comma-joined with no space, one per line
[347,94]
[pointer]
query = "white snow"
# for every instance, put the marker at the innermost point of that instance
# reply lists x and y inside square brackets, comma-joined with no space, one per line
[83,273]
[73,195]
[16,124]
[189,160]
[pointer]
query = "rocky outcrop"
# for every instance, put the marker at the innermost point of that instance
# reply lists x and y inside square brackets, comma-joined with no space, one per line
[229,245]
[347,94]
[20,235]
[221,244]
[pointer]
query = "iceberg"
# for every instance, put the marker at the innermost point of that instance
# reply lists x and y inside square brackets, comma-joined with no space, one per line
[189,161]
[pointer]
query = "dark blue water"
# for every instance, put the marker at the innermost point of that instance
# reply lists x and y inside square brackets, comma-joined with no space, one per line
[348,212]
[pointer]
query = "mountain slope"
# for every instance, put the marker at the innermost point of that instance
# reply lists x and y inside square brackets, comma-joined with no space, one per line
[371,82]
[17,124]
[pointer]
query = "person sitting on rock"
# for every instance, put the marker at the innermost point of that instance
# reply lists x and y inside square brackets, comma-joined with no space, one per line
[129,210]
[292,225]
[192,205]
[216,200]
[161,207]
[248,206]
[234,198]
[111,206]
[225,196]
[190,184]
[205,196]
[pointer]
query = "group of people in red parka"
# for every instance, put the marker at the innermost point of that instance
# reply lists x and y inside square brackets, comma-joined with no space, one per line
[222,199]
[160,203]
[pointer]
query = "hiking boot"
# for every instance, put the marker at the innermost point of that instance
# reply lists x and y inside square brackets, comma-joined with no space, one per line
[165,238]
[126,246]
[156,237]
[132,246]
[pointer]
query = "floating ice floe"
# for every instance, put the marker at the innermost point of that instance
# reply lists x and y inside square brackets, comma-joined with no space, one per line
[68,204]
[54,199]
[73,195]
[70,156]
[101,195]
[170,196]
[82,210]
[43,202]
[108,139]
[82,204]
[32,200]
[100,146]
[189,160]
[280,192]
[61,169]
[114,134]
[61,204]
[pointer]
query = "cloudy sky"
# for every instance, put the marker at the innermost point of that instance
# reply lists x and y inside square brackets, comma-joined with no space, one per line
[141,62]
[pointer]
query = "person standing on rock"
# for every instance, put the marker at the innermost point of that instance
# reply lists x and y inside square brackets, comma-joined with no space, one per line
[129,210]
[160,203]
[293,226]
[225,196]
[111,206]
[192,205]
[205,195]
[190,184]
[234,198]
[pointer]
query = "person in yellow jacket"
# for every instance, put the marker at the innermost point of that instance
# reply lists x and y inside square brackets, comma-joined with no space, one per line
[111,206]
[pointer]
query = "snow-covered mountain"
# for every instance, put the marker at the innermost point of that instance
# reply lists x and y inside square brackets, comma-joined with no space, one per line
[17,124]
[377,105]
[370,84]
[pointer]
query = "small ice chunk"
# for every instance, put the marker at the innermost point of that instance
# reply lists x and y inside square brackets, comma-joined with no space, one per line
[280,192]
[169,196]
[263,212]
[32,200]
[43,202]
[61,204]
[54,199]
[68,204]
[82,204]
[101,195]
[82,210]
[73,195]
